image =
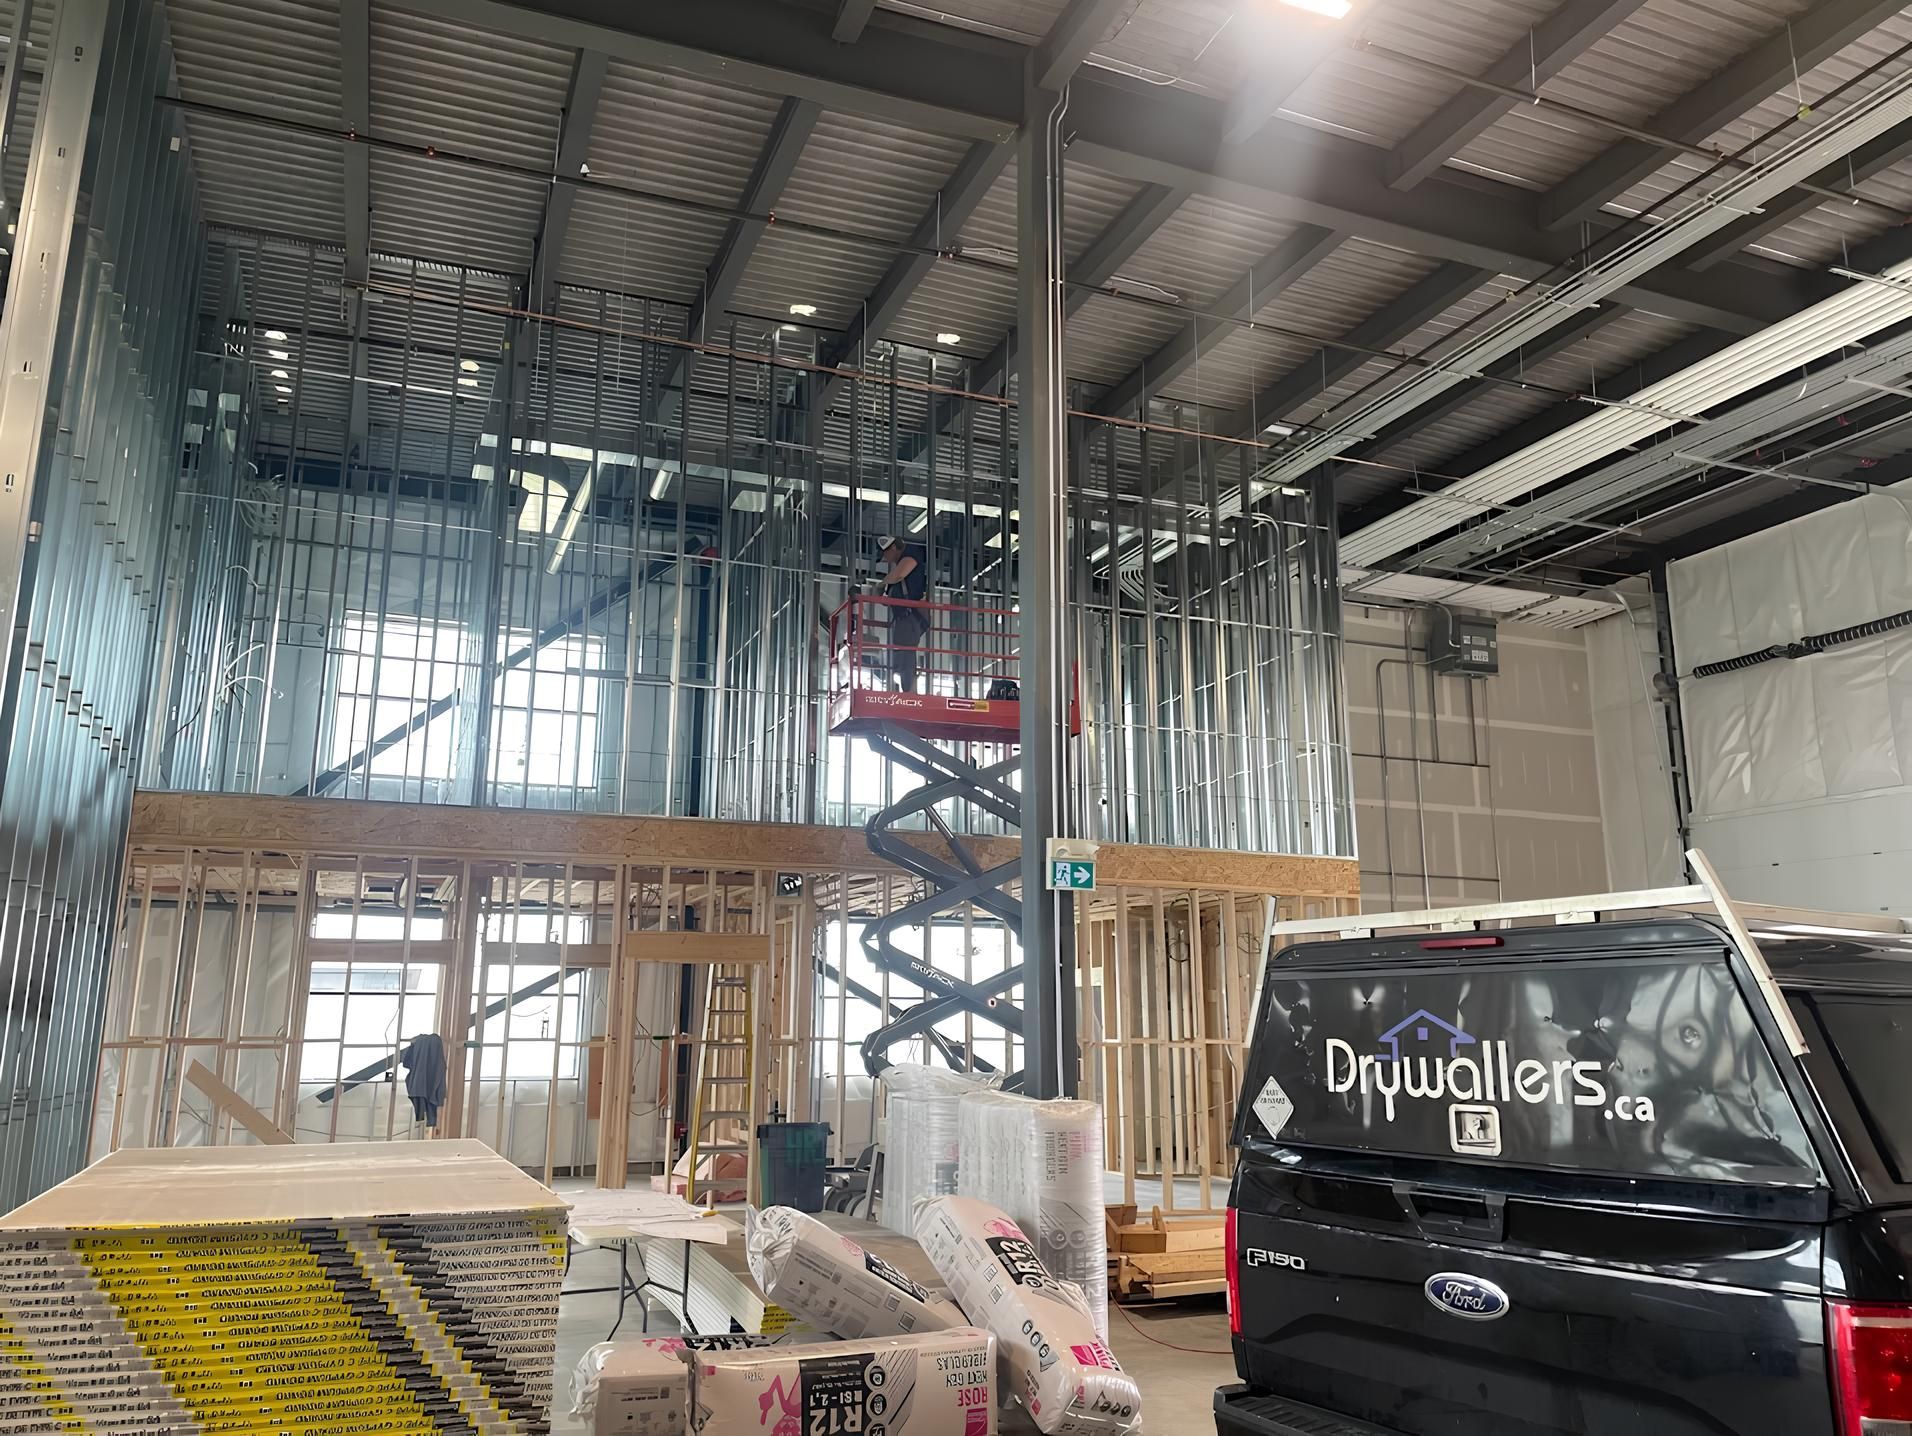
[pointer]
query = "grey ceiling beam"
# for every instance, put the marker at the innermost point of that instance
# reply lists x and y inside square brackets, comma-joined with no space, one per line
[1308,177]
[980,168]
[1863,164]
[574,144]
[1445,406]
[971,85]
[776,162]
[1665,364]
[1264,282]
[1075,33]
[1290,46]
[851,17]
[355,109]
[1386,327]
[1824,30]
[1096,266]
[1536,58]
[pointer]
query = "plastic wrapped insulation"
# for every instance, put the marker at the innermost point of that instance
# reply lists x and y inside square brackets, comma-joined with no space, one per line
[920,1146]
[1041,1162]
[833,1283]
[1055,1362]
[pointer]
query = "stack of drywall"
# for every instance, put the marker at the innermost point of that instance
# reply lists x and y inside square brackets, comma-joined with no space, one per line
[269,1288]
[1041,1162]
[920,1138]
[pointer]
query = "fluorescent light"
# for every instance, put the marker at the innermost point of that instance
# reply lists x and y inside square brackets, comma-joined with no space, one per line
[277,336]
[280,354]
[804,311]
[470,366]
[465,381]
[791,328]
[1333,9]
[1280,431]
[948,338]
[283,388]
[920,522]
[280,374]
[659,484]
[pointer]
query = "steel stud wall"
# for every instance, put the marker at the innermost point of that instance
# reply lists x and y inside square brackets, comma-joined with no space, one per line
[95,337]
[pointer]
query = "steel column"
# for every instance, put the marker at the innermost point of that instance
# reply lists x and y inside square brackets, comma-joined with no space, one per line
[1048,938]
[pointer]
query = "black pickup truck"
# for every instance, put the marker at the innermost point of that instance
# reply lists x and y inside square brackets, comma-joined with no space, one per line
[1614,1178]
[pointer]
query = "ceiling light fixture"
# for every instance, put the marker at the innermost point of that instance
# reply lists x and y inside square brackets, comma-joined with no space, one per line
[283,388]
[659,484]
[920,522]
[804,311]
[1333,9]
[1280,431]
[467,382]
[948,338]
[470,366]
[277,336]
[280,374]
[280,354]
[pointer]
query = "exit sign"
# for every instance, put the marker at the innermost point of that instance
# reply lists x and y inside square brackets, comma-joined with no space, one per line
[1072,877]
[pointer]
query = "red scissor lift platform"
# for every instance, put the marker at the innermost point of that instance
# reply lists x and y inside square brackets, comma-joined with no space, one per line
[967,664]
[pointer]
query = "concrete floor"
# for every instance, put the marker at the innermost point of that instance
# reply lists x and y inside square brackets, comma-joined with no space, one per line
[1178,1386]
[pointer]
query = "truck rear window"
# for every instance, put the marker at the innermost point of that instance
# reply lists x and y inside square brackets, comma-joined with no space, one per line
[1632,1065]
[1872,1039]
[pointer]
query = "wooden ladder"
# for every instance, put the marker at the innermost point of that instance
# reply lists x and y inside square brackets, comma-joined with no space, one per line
[724,1107]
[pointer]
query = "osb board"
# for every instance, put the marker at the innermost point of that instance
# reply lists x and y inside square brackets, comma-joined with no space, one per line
[306,825]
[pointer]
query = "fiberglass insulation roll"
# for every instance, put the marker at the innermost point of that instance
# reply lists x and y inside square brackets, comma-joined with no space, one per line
[920,1146]
[830,1281]
[1041,1162]
[1058,1366]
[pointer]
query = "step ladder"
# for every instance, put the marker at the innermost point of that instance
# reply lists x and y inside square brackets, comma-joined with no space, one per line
[723,1111]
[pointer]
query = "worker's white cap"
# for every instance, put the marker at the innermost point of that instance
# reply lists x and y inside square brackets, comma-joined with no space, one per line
[885,540]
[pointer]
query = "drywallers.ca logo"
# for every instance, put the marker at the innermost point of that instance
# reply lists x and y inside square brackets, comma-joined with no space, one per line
[1423,1057]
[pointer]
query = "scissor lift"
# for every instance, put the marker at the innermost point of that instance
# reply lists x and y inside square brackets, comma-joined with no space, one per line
[965,691]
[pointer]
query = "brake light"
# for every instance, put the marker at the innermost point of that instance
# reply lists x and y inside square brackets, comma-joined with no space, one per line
[1444,944]
[1872,1367]
[1231,1263]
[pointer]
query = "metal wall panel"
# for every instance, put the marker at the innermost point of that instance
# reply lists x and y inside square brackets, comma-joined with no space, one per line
[97,449]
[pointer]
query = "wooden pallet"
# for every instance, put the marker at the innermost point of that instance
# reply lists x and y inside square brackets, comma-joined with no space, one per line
[1163,1258]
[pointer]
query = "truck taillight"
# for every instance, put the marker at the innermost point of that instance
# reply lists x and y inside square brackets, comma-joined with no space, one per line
[1231,1262]
[1872,1367]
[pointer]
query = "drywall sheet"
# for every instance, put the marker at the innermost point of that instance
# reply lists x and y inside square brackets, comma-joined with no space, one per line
[1640,825]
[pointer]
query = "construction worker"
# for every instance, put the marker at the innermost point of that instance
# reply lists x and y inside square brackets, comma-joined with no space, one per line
[905,577]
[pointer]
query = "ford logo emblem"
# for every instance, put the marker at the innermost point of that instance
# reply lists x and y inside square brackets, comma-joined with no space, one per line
[1468,1296]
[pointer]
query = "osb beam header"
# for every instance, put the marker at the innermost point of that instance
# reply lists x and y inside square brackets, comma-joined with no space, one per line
[334,826]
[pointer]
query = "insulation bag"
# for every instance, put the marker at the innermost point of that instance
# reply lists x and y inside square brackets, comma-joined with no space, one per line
[937,1383]
[1056,1364]
[632,1388]
[1041,1162]
[831,1282]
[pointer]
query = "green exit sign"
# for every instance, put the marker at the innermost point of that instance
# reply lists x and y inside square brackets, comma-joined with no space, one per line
[1072,877]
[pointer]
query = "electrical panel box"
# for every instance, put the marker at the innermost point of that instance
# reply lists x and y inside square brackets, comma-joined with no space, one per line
[1462,644]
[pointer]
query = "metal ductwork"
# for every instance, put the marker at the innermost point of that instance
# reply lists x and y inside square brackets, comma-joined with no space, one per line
[1846,319]
[1723,204]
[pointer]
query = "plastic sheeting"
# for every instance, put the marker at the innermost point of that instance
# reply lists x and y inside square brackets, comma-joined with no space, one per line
[1638,821]
[1041,1162]
[1801,769]
[921,1153]
[833,1283]
[1059,1365]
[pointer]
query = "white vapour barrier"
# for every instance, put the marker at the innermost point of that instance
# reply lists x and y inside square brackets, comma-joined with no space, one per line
[920,1142]
[1058,1365]
[830,1281]
[937,1383]
[1041,1162]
